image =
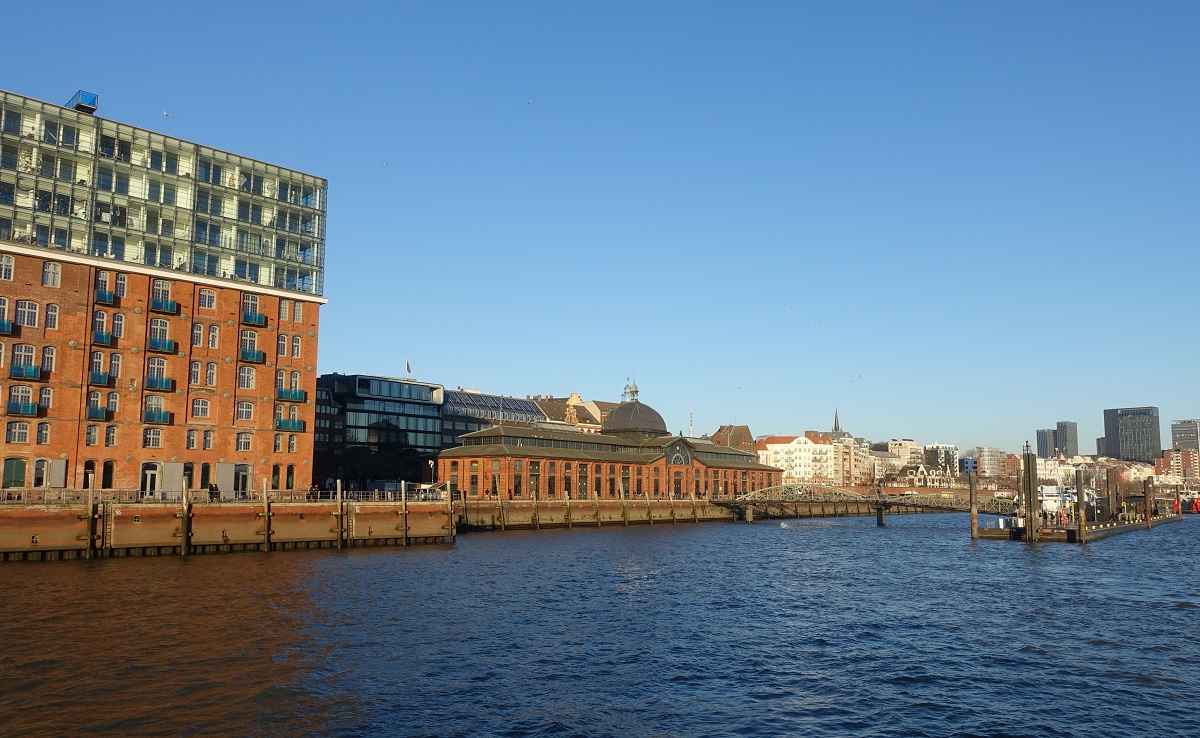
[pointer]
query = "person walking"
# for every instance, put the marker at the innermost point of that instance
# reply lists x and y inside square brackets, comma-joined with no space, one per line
[214,493]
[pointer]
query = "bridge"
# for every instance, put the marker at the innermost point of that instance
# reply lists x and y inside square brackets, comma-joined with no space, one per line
[814,500]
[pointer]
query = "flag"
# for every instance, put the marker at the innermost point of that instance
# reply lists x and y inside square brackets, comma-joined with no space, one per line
[407,368]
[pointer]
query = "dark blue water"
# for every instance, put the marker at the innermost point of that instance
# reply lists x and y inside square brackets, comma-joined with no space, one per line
[815,627]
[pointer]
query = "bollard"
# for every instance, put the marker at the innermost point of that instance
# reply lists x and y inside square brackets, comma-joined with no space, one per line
[974,507]
[880,516]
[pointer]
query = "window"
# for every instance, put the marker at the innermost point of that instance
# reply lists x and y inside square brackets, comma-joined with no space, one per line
[210,374]
[91,435]
[284,309]
[209,233]
[297,311]
[51,274]
[291,444]
[97,363]
[282,345]
[113,399]
[158,329]
[278,443]
[43,433]
[160,289]
[27,313]
[20,394]
[114,366]
[52,317]
[190,441]
[3,308]
[102,281]
[22,355]
[199,408]
[245,411]
[252,182]
[152,438]
[45,398]
[249,341]
[295,380]
[248,212]
[154,403]
[295,347]
[208,300]
[214,335]
[122,283]
[99,320]
[194,373]
[48,359]
[156,368]
[6,266]
[243,442]
[17,433]
[246,377]
[208,440]
[208,202]
[110,435]
[207,171]
[197,334]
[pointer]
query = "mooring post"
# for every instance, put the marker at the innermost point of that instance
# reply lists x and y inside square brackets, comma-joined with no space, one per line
[338,517]
[185,524]
[974,507]
[881,515]
[90,514]
[1147,502]
[1031,496]
[1080,506]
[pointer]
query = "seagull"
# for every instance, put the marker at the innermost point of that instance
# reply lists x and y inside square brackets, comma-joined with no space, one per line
[529,102]
[165,113]
[383,164]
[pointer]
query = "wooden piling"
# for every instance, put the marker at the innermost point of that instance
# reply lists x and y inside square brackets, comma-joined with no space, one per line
[974,507]
[1080,507]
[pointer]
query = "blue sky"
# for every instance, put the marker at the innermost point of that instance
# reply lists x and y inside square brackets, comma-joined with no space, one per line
[953,222]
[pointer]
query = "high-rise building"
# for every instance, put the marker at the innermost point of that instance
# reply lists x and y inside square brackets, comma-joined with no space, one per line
[1066,437]
[1185,435]
[988,459]
[1047,443]
[1132,434]
[158,307]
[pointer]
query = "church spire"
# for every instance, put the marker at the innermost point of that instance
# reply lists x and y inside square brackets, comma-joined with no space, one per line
[836,428]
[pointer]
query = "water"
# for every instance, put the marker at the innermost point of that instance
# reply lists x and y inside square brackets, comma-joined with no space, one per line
[817,627]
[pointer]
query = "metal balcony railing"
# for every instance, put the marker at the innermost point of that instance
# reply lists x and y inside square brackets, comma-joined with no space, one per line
[97,413]
[162,345]
[99,378]
[25,371]
[255,357]
[6,327]
[102,338]
[255,319]
[289,425]
[161,417]
[164,384]
[22,408]
[105,297]
[163,305]
[291,395]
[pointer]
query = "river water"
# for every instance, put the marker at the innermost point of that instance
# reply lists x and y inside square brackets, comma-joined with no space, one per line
[825,627]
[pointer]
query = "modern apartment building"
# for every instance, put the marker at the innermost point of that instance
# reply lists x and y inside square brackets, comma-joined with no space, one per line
[1132,434]
[159,306]
[988,458]
[1047,443]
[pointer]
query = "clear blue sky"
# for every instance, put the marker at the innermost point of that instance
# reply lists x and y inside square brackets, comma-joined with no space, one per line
[953,221]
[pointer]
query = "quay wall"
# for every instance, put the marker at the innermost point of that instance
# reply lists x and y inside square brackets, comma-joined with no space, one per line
[48,531]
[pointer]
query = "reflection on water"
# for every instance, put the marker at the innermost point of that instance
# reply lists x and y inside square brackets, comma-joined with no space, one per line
[824,627]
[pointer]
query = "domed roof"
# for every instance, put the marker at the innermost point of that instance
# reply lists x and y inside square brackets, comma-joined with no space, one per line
[634,416]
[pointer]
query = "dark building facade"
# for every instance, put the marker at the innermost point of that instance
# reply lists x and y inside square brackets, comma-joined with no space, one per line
[1066,436]
[1047,444]
[466,411]
[1132,434]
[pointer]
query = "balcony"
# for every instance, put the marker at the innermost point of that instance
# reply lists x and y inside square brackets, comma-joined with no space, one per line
[102,338]
[163,305]
[291,395]
[163,384]
[6,327]
[252,356]
[25,371]
[23,408]
[255,319]
[161,417]
[100,379]
[97,413]
[162,345]
[105,297]
[289,425]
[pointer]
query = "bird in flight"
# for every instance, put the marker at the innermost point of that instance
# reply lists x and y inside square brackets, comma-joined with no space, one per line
[383,164]
[165,113]
[529,102]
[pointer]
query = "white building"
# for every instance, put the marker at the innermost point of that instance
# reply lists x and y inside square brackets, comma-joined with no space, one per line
[807,459]
[989,460]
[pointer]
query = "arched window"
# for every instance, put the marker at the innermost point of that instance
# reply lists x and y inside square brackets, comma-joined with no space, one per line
[17,433]
[20,393]
[99,320]
[248,341]
[22,355]
[158,329]
[279,412]
[291,444]
[245,411]
[154,403]
[213,336]
[93,399]
[45,398]
[210,374]
[295,380]
[3,308]
[43,433]
[284,311]
[106,474]
[47,359]
[51,274]
[278,443]
[292,412]
[194,373]
[208,440]
[102,281]
[52,317]
[280,378]
[156,368]
[122,281]
[197,334]
[243,442]
[27,313]
[199,408]
[97,364]
[110,435]
[114,365]
[295,347]
[208,300]
[246,377]
[191,438]
[113,399]
[152,438]
[118,324]
[6,266]
[282,345]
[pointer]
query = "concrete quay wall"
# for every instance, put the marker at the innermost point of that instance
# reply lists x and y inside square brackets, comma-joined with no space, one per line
[64,530]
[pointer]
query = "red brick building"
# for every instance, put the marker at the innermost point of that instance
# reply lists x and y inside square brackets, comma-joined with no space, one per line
[633,456]
[149,378]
